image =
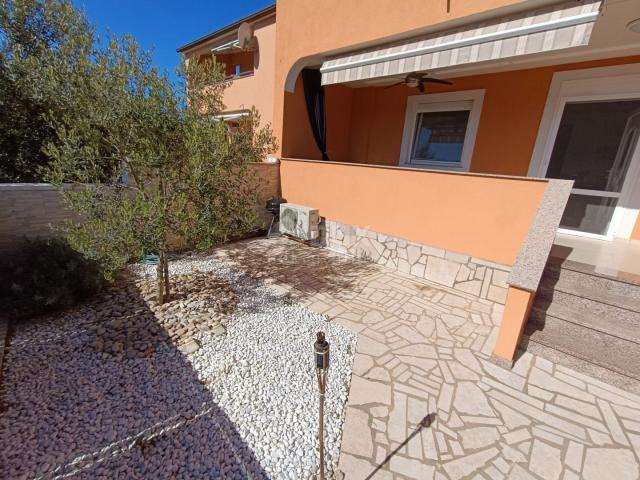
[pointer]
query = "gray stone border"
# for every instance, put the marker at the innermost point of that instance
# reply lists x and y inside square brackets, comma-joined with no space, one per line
[481,278]
[534,253]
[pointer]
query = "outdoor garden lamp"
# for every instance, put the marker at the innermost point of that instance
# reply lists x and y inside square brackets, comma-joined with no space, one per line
[321,348]
[321,354]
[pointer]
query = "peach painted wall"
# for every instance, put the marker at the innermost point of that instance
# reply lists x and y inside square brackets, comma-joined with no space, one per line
[635,234]
[514,319]
[512,109]
[297,138]
[257,90]
[483,216]
[339,135]
[306,29]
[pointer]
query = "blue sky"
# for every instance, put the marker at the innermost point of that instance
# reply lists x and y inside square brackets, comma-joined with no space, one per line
[164,25]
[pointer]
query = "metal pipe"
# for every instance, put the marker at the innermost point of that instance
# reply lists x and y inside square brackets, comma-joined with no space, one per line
[321,350]
[321,383]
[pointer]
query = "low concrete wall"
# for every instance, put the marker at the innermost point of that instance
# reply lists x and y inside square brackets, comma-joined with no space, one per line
[269,175]
[483,216]
[29,210]
[35,209]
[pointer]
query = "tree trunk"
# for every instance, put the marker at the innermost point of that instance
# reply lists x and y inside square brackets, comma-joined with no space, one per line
[167,292]
[160,280]
[163,265]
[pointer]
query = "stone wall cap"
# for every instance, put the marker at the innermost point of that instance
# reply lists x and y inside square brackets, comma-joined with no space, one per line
[9,187]
[534,253]
[421,170]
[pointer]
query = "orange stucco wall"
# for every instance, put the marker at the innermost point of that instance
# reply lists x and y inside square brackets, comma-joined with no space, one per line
[297,139]
[365,125]
[514,319]
[482,216]
[635,235]
[257,90]
[304,30]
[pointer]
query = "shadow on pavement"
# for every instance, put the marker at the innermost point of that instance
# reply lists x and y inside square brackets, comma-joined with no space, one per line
[307,269]
[424,423]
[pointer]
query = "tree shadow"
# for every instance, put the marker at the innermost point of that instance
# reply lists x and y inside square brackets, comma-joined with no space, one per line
[71,406]
[307,269]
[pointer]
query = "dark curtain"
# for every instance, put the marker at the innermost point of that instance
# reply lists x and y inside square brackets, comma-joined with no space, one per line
[314,97]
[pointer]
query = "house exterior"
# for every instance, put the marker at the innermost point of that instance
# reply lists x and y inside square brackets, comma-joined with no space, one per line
[253,71]
[460,142]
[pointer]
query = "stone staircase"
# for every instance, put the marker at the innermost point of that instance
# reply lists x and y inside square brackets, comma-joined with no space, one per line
[588,316]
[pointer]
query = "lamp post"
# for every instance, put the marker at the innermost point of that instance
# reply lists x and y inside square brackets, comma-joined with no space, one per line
[321,351]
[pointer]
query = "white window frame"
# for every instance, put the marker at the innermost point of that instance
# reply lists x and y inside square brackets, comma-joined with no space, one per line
[619,82]
[442,102]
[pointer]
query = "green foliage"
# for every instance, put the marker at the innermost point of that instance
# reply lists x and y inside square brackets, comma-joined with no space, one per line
[189,177]
[96,112]
[45,275]
[41,43]
[116,229]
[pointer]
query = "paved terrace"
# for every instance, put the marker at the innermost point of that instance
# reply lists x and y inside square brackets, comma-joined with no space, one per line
[423,350]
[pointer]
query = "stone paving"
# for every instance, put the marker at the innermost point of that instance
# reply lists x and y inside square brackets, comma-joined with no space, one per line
[424,349]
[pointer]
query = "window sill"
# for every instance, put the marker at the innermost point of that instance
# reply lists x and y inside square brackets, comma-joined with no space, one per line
[435,166]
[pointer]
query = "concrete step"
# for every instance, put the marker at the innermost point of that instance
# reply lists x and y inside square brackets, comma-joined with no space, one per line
[579,365]
[589,369]
[606,351]
[611,274]
[596,287]
[598,316]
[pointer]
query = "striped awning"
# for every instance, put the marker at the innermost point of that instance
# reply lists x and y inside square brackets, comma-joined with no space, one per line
[557,27]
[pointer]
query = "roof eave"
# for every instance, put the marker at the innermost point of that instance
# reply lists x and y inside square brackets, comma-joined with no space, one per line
[254,17]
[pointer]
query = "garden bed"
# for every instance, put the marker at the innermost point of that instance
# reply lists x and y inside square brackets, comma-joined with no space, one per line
[107,390]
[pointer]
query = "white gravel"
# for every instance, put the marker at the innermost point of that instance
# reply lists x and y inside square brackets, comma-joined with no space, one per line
[245,405]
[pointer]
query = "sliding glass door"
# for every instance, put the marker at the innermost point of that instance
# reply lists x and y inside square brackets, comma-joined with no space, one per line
[595,145]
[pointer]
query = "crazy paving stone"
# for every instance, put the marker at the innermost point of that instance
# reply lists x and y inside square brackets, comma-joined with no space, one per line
[545,460]
[602,463]
[468,464]
[356,436]
[364,392]
[470,399]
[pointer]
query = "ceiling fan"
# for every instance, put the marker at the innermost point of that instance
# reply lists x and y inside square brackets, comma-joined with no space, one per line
[417,80]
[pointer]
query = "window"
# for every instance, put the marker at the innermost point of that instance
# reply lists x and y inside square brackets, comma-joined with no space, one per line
[232,120]
[237,63]
[440,130]
[440,136]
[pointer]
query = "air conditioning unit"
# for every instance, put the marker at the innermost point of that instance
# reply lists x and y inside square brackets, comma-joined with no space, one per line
[298,221]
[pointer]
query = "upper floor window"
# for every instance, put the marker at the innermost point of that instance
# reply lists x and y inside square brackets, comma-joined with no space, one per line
[232,120]
[237,64]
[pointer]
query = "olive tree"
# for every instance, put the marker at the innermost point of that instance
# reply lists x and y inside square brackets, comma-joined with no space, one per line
[39,39]
[149,161]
